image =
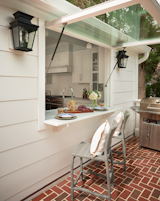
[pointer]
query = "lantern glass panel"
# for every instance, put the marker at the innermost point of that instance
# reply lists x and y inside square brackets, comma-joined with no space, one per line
[16,37]
[26,37]
[31,37]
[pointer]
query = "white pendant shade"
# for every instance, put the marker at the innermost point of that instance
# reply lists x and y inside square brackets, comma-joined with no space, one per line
[89,46]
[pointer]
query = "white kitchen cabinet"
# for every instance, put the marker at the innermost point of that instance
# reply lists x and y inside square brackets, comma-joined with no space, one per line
[60,59]
[81,67]
[97,58]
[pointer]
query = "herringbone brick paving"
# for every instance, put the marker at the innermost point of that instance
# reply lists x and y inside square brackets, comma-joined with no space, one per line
[141,181]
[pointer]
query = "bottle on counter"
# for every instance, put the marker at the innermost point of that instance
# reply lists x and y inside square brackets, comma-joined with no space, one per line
[84,93]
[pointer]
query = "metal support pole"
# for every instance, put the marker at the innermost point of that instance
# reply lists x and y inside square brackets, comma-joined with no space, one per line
[56,47]
[114,67]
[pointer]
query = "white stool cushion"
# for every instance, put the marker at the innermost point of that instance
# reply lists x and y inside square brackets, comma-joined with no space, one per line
[98,140]
[119,119]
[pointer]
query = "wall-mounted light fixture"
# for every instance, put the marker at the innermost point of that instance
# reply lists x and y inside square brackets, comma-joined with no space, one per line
[121,62]
[122,59]
[23,31]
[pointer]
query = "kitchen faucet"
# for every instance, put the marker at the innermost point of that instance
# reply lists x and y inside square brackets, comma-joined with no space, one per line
[64,90]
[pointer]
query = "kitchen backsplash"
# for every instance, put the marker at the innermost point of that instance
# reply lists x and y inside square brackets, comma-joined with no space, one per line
[59,81]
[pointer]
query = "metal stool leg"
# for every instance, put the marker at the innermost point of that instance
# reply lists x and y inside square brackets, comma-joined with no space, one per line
[108,180]
[124,153]
[112,170]
[81,167]
[72,182]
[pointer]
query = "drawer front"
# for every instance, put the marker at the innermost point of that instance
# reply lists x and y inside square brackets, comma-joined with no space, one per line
[150,136]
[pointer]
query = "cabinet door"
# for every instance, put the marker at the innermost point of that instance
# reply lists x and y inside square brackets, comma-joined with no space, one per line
[145,134]
[86,67]
[77,68]
[154,137]
[150,136]
[64,58]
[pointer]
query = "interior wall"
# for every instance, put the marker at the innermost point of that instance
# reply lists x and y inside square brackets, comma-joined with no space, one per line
[64,79]
[30,159]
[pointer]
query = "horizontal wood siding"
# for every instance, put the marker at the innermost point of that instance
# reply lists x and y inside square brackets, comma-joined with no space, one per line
[124,90]
[18,88]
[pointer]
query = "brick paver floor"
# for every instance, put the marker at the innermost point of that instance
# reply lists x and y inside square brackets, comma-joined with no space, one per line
[141,182]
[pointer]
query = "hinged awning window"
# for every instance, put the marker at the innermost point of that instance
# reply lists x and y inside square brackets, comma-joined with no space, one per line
[121,23]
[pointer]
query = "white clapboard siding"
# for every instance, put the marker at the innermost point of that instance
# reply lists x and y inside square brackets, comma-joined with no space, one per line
[17,135]
[18,88]
[30,175]
[6,42]
[123,75]
[18,111]
[123,97]
[7,16]
[126,106]
[123,86]
[130,65]
[45,148]
[18,65]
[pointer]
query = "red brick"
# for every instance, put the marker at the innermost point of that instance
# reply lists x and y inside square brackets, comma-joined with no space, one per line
[41,196]
[146,186]
[131,199]
[125,194]
[126,187]
[154,185]
[145,180]
[153,199]
[56,189]
[136,180]
[142,199]
[48,192]
[135,194]
[154,180]
[146,193]
[65,188]
[118,181]
[115,194]
[62,183]
[97,188]
[145,169]
[136,187]
[50,197]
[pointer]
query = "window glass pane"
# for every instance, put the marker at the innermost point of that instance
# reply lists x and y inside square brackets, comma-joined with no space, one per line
[127,25]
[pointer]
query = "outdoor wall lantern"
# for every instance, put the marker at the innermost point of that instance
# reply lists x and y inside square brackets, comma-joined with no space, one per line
[122,59]
[23,32]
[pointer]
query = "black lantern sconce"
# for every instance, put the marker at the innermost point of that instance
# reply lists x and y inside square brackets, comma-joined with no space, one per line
[122,59]
[23,31]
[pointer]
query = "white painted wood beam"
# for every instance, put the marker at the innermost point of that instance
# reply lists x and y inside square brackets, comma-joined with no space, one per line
[152,8]
[140,43]
[96,10]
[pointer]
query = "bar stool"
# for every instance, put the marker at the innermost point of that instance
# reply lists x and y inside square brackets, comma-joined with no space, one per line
[122,137]
[83,151]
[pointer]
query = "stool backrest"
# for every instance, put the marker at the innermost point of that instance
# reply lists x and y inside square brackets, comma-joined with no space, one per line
[126,115]
[108,139]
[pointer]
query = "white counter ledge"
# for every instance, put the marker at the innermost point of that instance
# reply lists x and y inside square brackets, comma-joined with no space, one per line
[50,116]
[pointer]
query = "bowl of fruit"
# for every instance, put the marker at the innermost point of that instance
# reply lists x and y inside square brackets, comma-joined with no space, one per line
[83,108]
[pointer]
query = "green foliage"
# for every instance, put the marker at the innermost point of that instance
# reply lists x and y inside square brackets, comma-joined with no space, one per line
[153,90]
[152,62]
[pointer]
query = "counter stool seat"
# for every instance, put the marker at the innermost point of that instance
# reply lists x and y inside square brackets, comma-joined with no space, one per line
[83,151]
